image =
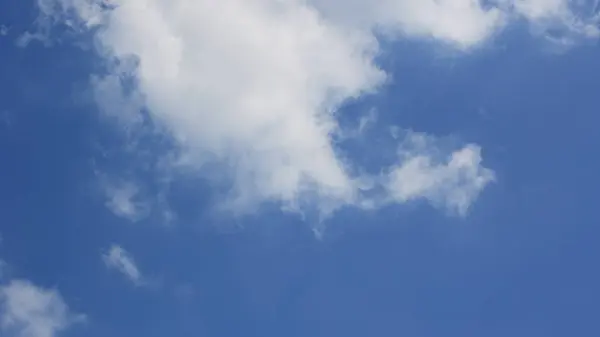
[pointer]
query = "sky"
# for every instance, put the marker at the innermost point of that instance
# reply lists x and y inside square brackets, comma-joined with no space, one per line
[299,168]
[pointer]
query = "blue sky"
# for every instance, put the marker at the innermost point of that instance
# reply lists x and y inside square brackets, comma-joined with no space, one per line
[323,168]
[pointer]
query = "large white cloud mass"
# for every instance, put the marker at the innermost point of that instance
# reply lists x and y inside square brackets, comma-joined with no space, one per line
[256,85]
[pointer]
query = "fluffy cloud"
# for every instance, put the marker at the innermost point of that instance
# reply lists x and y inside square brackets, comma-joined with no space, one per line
[255,85]
[453,182]
[29,311]
[119,259]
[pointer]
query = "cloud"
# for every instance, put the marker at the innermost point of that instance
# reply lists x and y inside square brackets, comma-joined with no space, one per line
[255,85]
[367,121]
[461,23]
[29,311]
[124,201]
[119,259]
[453,182]
[561,21]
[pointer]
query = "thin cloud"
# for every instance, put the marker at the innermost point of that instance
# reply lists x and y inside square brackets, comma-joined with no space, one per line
[367,121]
[124,201]
[120,260]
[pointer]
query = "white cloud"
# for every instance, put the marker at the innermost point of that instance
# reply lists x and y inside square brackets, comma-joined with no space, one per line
[537,9]
[254,85]
[119,259]
[462,23]
[124,201]
[29,311]
[453,182]
[367,121]
[570,18]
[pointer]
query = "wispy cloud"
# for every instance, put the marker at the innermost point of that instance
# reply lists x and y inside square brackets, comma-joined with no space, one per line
[367,121]
[120,260]
[30,311]
[124,201]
